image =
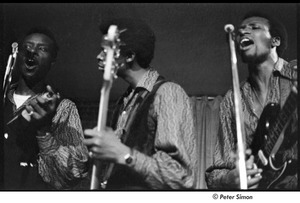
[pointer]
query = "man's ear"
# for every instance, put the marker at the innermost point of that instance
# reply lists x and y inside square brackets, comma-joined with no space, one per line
[276,41]
[130,57]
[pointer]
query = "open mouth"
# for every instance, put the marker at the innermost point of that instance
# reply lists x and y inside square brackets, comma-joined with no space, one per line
[30,63]
[101,65]
[246,43]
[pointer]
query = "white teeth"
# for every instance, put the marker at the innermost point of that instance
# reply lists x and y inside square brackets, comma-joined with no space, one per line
[245,40]
[30,67]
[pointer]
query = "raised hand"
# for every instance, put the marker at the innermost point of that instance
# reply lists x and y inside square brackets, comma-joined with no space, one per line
[40,111]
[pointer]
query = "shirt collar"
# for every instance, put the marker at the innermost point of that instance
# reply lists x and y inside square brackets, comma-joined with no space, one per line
[148,80]
[279,65]
[11,91]
[282,68]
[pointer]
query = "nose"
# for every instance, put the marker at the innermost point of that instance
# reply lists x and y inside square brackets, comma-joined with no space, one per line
[244,30]
[30,53]
[101,55]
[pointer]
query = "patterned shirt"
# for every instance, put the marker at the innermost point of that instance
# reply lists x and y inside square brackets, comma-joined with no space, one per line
[223,162]
[166,168]
[62,157]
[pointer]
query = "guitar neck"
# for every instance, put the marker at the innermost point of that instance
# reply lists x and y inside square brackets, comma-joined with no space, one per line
[103,106]
[102,118]
[281,121]
[110,44]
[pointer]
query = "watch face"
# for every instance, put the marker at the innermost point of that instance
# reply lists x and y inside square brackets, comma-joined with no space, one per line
[128,160]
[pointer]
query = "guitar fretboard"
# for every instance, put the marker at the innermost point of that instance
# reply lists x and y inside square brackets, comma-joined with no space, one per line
[282,119]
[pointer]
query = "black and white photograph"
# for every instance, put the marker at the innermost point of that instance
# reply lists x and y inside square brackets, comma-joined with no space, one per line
[196,98]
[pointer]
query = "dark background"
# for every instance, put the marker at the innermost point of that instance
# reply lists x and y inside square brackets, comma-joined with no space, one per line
[191,46]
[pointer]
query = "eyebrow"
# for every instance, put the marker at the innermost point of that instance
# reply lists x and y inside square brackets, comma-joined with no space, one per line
[40,44]
[251,24]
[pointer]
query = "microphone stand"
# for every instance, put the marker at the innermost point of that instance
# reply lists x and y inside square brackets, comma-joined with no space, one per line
[9,68]
[238,111]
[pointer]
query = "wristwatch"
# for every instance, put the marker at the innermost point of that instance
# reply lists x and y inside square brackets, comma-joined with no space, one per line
[128,158]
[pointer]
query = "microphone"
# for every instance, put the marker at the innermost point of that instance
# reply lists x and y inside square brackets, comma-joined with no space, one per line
[14,45]
[14,49]
[229,28]
[10,61]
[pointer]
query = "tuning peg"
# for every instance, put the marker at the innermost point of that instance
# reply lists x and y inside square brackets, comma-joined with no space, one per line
[122,30]
[117,54]
[115,76]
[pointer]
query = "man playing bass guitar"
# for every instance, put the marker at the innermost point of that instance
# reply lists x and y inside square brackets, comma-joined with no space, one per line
[152,140]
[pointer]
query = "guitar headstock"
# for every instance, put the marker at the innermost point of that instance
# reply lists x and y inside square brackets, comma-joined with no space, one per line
[111,43]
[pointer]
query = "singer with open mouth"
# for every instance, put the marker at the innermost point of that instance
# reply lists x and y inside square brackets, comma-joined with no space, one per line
[269,103]
[43,140]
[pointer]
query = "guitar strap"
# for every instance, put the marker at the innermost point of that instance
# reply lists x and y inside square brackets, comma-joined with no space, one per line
[143,96]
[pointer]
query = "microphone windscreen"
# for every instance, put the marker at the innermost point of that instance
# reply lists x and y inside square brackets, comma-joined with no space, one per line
[229,28]
[14,45]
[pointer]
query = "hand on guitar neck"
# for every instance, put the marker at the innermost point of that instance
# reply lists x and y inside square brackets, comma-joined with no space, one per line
[40,111]
[105,145]
[232,180]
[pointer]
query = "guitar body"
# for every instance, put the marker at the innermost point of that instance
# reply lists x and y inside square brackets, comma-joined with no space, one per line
[273,165]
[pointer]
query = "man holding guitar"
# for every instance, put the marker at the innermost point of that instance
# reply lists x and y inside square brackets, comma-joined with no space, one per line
[43,141]
[151,143]
[269,102]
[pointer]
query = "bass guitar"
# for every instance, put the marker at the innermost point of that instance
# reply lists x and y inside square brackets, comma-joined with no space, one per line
[110,43]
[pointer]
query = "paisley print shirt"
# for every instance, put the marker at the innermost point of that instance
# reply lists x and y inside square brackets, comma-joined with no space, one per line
[173,165]
[61,159]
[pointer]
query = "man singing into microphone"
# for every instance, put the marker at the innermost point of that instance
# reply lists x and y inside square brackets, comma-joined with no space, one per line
[43,140]
[261,41]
